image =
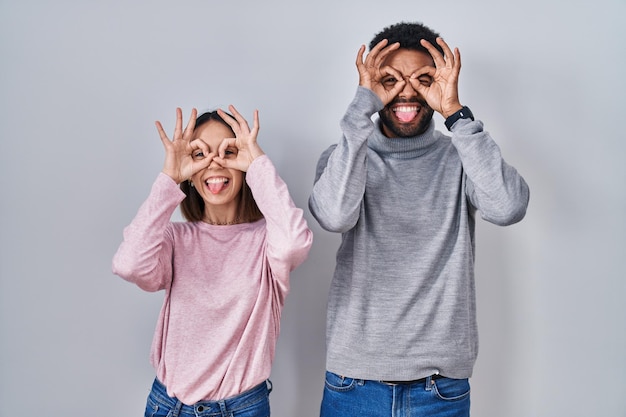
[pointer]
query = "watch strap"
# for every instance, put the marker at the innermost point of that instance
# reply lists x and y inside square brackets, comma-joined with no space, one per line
[464,113]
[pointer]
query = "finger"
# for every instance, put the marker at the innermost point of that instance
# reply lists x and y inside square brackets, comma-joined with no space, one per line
[370,59]
[201,164]
[446,49]
[379,46]
[237,123]
[179,123]
[359,56]
[399,85]
[243,123]
[457,59]
[448,55]
[162,134]
[191,124]
[221,150]
[199,144]
[229,120]
[422,79]
[425,70]
[255,124]
[385,52]
[434,52]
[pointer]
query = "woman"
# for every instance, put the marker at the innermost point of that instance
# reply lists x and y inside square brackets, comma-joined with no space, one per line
[225,271]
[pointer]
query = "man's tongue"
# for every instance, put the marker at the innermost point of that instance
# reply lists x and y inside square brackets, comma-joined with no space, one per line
[216,187]
[406,116]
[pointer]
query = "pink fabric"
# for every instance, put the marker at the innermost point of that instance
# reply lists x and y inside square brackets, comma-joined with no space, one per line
[225,286]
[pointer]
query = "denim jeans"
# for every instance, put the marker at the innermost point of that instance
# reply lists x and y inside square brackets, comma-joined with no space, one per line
[345,397]
[252,403]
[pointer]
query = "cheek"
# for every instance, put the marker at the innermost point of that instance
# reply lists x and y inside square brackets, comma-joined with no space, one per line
[237,180]
[196,178]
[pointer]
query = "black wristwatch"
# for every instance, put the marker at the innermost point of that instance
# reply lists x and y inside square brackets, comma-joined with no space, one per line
[464,113]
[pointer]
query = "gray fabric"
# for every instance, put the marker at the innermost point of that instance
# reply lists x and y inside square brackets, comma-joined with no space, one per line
[402,302]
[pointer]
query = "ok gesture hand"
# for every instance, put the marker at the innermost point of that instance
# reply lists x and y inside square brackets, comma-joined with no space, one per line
[442,95]
[247,148]
[372,71]
[179,162]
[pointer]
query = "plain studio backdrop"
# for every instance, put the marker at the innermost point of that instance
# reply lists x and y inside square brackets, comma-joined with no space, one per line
[83,82]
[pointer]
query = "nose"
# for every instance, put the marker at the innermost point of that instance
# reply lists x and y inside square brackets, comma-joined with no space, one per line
[408,90]
[214,165]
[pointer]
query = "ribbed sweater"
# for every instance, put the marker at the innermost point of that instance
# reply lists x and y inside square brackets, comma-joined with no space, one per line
[402,300]
[225,286]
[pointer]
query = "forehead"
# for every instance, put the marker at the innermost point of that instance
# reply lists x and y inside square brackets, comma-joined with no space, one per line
[213,131]
[408,61]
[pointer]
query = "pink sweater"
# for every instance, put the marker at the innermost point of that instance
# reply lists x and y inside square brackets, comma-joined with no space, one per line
[225,286]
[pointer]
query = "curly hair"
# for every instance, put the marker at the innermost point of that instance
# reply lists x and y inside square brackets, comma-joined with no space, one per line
[409,35]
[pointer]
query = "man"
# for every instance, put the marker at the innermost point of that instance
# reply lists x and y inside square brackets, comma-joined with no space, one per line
[401,325]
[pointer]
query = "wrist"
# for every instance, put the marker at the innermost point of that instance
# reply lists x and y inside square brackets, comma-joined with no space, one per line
[450,111]
[173,176]
[463,113]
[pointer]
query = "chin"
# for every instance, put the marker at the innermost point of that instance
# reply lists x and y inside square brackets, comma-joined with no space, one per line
[403,129]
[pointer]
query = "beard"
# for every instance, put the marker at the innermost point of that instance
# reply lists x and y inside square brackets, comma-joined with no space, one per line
[406,130]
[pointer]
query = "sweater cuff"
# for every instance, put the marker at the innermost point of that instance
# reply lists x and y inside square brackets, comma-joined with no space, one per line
[367,101]
[165,185]
[257,167]
[466,127]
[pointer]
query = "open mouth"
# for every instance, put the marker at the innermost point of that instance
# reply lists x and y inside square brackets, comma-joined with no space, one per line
[406,113]
[217,184]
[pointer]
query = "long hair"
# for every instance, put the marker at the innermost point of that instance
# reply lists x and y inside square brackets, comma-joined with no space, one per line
[192,207]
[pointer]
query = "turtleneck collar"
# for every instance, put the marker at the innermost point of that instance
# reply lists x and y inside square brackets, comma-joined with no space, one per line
[402,148]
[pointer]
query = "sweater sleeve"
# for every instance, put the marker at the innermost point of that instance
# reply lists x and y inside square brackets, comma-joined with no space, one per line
[340,178]
[289,238]
[493,187]
[145,254]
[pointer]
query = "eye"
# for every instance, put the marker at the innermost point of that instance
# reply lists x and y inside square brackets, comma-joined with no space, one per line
[389,82]
[426,80]
[230,152]
[198,155]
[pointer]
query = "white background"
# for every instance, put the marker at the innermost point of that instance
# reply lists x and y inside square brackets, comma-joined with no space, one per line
[83,82]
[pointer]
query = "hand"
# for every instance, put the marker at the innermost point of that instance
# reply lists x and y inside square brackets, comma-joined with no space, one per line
[442,94]
[371,71]
[179,161]
[244,141]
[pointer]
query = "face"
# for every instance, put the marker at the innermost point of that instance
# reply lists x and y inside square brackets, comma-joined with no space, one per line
[408,114]
[218,186]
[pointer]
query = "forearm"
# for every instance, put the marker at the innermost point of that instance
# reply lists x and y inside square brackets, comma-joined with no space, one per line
[494,187]
[288,235]
[342,171]
[144,256]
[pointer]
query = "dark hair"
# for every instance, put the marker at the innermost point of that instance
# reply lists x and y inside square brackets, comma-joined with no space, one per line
[192,207]
[409,35]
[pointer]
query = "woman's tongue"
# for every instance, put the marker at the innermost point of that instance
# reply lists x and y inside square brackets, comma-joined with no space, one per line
[215,186]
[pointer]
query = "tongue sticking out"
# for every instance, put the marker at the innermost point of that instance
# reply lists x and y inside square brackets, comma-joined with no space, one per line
[216,187]
[406,116]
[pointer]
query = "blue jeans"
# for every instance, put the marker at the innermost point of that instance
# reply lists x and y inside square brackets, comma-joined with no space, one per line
[344,397]
[252,403]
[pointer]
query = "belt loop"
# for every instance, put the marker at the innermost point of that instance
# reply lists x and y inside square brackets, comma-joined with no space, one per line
[429,383]
[176,409]
[223,410]
[269,385]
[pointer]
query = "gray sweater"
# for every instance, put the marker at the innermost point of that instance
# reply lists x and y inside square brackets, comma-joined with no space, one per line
[402,301]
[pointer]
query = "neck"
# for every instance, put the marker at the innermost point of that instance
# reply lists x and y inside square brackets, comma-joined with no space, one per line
[403,148]
[208,220]
[221,217]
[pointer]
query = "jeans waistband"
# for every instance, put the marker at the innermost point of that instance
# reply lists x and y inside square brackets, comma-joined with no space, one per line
[200,408]
[414,381]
